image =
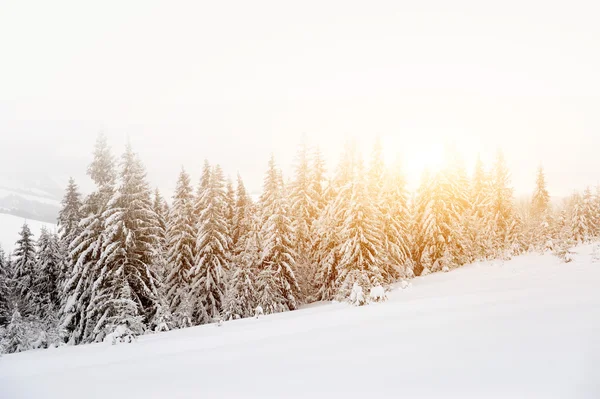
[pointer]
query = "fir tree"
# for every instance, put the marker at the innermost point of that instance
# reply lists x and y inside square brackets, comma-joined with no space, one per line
[541,199]
[129,244]
[5,293]
[242,215]
[501,207]
[208,275]
[395,225]
[579,223]
[361,241]
[303,207]
[163,319]
[241,293]
[16,338]
[70,213]
[277,281]
[24,269]
[86,247]
[49,265]
[181,237]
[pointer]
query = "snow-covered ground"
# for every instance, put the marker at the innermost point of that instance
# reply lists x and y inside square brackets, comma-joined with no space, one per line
[10,226]
[527,328]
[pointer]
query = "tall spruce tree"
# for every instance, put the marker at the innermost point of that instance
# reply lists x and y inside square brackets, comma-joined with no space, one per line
[85,249]
[540,201]
[241,297]
[277,279]
[24,270]
[126,291]
[5,293]
[502,208]
[49,265]
[209,273]
[181,238]
[303,207]
[361,240]
[328,227]
[395,225]
[70,213]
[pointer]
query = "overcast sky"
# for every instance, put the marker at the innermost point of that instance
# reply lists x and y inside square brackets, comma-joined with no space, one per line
[233,81]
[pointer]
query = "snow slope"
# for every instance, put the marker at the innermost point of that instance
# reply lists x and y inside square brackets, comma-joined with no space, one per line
[10,226]
[527,328]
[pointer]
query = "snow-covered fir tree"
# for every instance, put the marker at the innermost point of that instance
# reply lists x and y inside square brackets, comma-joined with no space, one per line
[304,208]
[541,216]
[243,210]
[85,249]
[241,297]
[395,224]
[361,240]
[209,274]
[328,226]
[163,319]
[24,273]
[70,214]
[502,208]
[540,201]
[5,293]
[126,290]
[579,223]
[46,284]
[181,241]
[277,282]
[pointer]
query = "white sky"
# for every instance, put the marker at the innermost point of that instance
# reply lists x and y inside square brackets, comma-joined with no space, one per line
[232,81]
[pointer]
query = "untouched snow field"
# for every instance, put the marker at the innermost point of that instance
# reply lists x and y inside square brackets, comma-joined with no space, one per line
[526,328]
[11,225]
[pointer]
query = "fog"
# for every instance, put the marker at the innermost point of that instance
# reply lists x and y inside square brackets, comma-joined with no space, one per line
[183,85]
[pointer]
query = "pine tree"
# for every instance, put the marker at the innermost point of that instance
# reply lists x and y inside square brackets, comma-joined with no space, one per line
[208,275]
[242,216]
[163,319]
[86,247]
[303,207]
[436,218]
[541,199]
[129,244]
[24,269]
[328,227]
[317,180]
[5,293]
[181,237]
[478,222]
[541,218]
[501,207]
[70,213]
[579,223]
[16,338]
[49,265]
[395,225]
[361,241]
[241,293]
[277,281]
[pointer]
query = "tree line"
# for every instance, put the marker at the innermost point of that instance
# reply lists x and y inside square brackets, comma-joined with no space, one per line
[124,262]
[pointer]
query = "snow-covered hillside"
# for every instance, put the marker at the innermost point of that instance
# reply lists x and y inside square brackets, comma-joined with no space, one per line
[526,328]
[10,226]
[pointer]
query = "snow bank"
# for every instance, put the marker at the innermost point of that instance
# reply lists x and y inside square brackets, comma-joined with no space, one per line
[527,328]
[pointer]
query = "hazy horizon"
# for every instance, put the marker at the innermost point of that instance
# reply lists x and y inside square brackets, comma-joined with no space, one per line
[234,82]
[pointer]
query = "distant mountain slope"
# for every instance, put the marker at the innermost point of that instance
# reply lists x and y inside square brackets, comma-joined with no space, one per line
[30,199]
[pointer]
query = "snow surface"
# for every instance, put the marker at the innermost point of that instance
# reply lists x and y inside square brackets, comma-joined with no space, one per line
[11,225]
[525,328]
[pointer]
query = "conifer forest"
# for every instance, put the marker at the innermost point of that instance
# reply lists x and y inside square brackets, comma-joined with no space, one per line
[127,260]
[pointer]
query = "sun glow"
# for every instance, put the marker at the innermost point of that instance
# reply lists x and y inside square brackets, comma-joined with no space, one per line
[427,151]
